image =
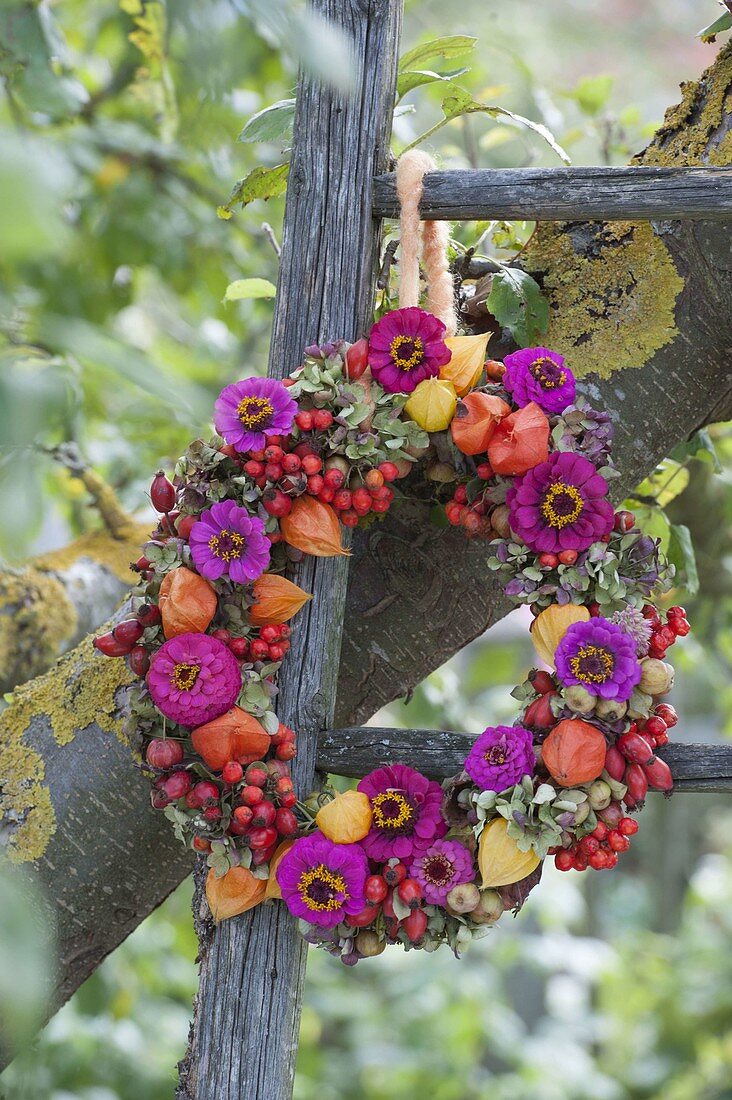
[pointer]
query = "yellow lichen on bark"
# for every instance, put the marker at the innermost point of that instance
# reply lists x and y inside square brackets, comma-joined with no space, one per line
[81,689]
[613,295]
[36,618]
[695,131]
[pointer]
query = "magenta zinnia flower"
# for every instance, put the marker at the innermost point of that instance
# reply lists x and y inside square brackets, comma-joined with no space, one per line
[226,539]
[599,656]
[500,757]
[247,412]
[445,864]
[561,504]
[537,374]
[194,678]
[406,808]
[405,347]
[323,882]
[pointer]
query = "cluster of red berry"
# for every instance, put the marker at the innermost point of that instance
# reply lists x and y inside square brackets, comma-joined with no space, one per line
[600,849]
[260,796]
[665,634]
[631,759]
[271,644]
[479,516]
[286,469]
[380,891]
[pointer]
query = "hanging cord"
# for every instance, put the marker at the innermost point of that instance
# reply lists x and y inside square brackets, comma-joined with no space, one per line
[428,239]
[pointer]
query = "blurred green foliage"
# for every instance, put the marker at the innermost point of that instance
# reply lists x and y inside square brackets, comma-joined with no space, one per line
[116,331]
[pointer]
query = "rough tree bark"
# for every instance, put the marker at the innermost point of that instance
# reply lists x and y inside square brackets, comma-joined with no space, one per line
[623,298]
[252,968]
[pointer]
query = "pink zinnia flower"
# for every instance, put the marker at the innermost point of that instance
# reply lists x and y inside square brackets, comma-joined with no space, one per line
[599,656]
[323,882]
[539,375]
[561,504]
[247,412]
[227,539]
[194,678]
[405,347]
[445,864]
[407,813]
[501,757]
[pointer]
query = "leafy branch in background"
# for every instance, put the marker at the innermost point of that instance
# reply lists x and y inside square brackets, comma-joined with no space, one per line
[651,498]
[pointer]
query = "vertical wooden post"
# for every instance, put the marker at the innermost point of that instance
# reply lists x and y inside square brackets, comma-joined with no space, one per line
[244,1035]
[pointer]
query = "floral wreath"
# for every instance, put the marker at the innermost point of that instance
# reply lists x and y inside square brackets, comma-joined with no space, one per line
[400,859]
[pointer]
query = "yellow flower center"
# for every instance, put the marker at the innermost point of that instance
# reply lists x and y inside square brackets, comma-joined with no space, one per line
[254,412]
[391,811]
[227,545]
[496,755]
[185,676]
[547,373]
[407,351]
[562,504]
[592,664]
[322,890]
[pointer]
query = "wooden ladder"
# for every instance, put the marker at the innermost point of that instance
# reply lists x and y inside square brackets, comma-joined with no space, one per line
[244,1036]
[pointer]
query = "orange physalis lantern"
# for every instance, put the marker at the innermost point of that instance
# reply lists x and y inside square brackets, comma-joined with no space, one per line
[233,893]
[277,599]
[574,752]
[187,603]
[520,441]
[233,736]
[475,421]
[313,527]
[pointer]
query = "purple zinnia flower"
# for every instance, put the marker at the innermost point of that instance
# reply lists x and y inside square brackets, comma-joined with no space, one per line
[634,623]
[405,347]
[194,678]
[537,374]
[561,504]
[500,757]
[407,813]
[247,412]
[445,864]
[599,656]
[227,539]
[323,882]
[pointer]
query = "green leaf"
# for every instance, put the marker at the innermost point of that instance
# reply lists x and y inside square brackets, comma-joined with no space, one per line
[249,288]
[416,78]
[709,33]
[681,554]
[700,446]
[592,93]
[273,123]
[460,102]
[452,45]
[517,304]
[261,183]
[667,481]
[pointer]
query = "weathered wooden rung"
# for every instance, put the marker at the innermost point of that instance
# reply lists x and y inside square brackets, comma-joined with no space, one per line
[440,753]
[567,194]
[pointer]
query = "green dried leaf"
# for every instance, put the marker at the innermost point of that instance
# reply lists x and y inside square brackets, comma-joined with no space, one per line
[261,183]
[249,288]
[273,123]
[447,47]
[518,305]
